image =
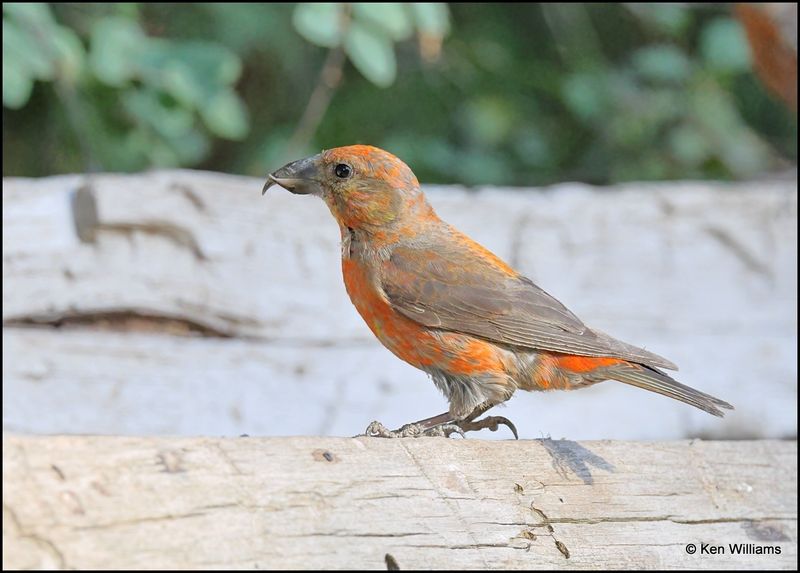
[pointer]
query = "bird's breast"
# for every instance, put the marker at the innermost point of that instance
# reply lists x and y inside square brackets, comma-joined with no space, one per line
[450,352]
[404,337]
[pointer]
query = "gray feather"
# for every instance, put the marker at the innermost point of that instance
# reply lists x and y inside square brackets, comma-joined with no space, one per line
[456,291]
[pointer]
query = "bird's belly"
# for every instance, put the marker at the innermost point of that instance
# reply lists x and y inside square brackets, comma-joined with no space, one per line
[452,353]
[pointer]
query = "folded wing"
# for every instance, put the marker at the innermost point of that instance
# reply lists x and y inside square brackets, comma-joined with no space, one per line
[456,290]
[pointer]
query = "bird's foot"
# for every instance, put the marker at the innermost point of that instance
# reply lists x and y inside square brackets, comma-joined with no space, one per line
[378,430]
[490,422]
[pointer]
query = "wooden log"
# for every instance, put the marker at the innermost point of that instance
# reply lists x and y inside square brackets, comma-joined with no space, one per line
[431,503]
[91,381]
[702,273]
[206,248]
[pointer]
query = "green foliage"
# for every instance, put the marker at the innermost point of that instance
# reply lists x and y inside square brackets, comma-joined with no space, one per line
[724,46]
[518,94]
[431,18]
[320,23]
[662,63]
[372,53]
[35,48]
[168,90]
[368,31]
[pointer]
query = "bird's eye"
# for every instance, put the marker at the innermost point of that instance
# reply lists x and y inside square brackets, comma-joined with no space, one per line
[343,170]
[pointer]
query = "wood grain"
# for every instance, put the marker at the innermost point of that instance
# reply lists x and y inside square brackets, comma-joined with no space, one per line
[431,503]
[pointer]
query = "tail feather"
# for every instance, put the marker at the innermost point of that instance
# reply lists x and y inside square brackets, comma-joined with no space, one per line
[655,380]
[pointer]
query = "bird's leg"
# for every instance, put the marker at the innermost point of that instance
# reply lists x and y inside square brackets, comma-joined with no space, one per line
[444,425]
[491,422]
[438,426]
[469,424]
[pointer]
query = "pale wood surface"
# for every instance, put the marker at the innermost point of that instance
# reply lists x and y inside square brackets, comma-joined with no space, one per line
[702,273]
[207,248]
[328,503]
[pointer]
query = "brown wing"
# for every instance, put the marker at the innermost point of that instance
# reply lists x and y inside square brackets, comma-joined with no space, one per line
[461,291]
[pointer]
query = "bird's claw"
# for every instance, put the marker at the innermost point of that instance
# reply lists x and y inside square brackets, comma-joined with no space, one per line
[378,430]
[490,422]
[444,430]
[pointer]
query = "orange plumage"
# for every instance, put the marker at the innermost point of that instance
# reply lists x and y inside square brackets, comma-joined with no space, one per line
[450,307]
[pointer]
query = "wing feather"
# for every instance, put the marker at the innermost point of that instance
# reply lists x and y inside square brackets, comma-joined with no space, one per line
[461,292]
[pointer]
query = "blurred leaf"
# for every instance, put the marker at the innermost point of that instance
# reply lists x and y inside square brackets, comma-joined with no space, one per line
[148,107]
[27,51]
[688,145]
[178,81]
[586,95]
[192,72]
[250,27]
[319,23]
[161,154]
[724,46]
[634,125]
[532,146]
[372,54]
[671,19]
[737,146]
[714,109]
[745,154]
[17,84]
[212,62]
[128,9]
[391,17]
[431,17]
[69,53]
[35,47]
[226,116]
[662,63]
[489,120]
[36,15]
[116,44]
[190,147]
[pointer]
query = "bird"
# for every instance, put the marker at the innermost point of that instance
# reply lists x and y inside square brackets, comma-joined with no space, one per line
[450,307]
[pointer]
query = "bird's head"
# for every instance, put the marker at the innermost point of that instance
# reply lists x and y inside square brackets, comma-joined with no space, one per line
[366,188]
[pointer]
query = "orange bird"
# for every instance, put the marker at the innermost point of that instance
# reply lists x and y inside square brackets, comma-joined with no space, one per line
[450,307]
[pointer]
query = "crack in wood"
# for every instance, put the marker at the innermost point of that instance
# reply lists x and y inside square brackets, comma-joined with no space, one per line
[740,252]
[173,233]
[547,522]
[48,544]
[140,520]
[124,320]
[187,192]
[443,497]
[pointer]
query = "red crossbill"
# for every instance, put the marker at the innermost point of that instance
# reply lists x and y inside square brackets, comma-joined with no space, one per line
[450,307]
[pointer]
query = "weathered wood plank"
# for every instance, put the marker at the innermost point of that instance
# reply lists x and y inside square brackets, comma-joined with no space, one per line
[154,384]
[705,274]
[206,247]
[327,503]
